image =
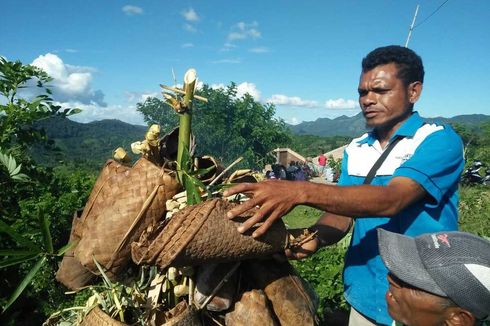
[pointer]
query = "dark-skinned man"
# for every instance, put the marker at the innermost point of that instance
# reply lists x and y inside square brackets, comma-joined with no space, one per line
[414,191]
[437,279]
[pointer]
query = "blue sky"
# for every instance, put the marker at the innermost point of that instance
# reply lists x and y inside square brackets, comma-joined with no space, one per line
[304,56]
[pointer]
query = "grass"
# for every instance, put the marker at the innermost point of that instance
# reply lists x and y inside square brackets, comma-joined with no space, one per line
[474,210]
[302,217]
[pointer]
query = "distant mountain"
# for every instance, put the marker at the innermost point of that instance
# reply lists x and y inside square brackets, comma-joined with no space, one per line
[355,126]
[89,144]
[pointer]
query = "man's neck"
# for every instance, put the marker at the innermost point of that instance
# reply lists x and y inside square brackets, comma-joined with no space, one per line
[384,133]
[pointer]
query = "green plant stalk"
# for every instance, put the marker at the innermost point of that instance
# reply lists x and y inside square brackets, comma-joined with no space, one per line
[185,124]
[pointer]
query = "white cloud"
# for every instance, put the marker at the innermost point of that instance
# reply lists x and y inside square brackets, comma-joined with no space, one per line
[92,112]
[190,15]
[249,88]
[134,97]
[235,60]
[241,31]
[70,83]
[132,10]
[189,28]
[187,45]
[341,103]
[242,89]
[293,121]
[228,47]
[259,50]
[280,99]
[71,50]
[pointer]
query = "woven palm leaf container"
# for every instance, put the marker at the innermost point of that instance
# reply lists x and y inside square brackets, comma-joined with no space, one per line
[201,234]
[71,273]
[122,204]
[97,317]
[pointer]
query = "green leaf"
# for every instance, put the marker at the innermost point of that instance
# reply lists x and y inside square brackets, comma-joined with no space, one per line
[18,252]
[20,177]
[107,281]
[16,236]
[16,170]
[12,164]
[66,247]
[44,224]
[24,283]
[17,260]
[74,111]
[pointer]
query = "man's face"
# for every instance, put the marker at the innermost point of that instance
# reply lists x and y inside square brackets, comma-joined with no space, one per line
[413,307]
[384,99]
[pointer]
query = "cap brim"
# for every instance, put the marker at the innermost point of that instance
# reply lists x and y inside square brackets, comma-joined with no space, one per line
[400,255]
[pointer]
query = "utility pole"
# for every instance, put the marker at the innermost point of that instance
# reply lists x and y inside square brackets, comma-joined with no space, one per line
[411,26]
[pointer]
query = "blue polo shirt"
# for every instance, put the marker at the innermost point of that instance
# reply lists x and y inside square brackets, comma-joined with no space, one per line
[432,156]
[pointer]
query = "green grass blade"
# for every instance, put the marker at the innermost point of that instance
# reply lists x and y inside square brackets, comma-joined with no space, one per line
[5,228]
[17,260]
[24,283]
[44,224]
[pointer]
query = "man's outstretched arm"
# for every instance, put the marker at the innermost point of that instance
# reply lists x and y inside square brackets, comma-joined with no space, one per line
[276,198]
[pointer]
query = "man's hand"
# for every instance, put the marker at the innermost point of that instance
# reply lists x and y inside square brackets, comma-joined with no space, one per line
[274,198]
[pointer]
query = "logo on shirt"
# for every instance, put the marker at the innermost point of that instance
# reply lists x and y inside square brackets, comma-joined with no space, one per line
[404,158]
[440,239]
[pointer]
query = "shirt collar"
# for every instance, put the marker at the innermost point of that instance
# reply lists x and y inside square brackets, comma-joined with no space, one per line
[407,129]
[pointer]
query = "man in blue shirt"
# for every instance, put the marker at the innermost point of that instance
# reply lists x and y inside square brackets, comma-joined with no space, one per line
[414,191]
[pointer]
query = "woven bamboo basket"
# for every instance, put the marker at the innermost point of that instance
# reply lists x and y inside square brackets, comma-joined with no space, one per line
[97,317]
[201,234]
[71,273]
[124,201]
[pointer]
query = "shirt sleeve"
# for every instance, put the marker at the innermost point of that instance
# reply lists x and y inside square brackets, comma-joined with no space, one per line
[437,163]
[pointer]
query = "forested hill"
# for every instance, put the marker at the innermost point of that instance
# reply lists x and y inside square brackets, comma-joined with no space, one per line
[87,144]
[91,144]
[355,126]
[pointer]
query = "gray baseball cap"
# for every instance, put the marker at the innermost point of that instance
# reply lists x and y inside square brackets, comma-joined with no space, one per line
[449,264]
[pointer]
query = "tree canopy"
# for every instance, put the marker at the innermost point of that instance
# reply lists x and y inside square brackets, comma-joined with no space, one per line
[226,127]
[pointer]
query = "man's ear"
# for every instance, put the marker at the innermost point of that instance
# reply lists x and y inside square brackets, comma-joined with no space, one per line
[459,317]
[414,91]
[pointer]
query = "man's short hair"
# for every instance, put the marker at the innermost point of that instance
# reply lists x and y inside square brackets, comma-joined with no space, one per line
[409,64]
[452,264]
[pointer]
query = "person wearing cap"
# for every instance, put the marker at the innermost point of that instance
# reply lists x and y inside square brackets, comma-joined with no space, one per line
[438,278]
[413,191]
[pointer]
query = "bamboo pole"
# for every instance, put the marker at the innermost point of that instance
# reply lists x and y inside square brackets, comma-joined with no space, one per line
[185,119]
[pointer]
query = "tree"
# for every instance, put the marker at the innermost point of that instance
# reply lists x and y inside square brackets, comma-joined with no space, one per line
[226,127]
[33,199]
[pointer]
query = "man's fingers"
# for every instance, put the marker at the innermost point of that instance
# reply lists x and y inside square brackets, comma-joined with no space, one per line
[256,218]
[266,225]
[241,187]
[242,208]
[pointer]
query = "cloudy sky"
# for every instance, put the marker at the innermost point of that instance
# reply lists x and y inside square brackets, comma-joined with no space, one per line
[106,56]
